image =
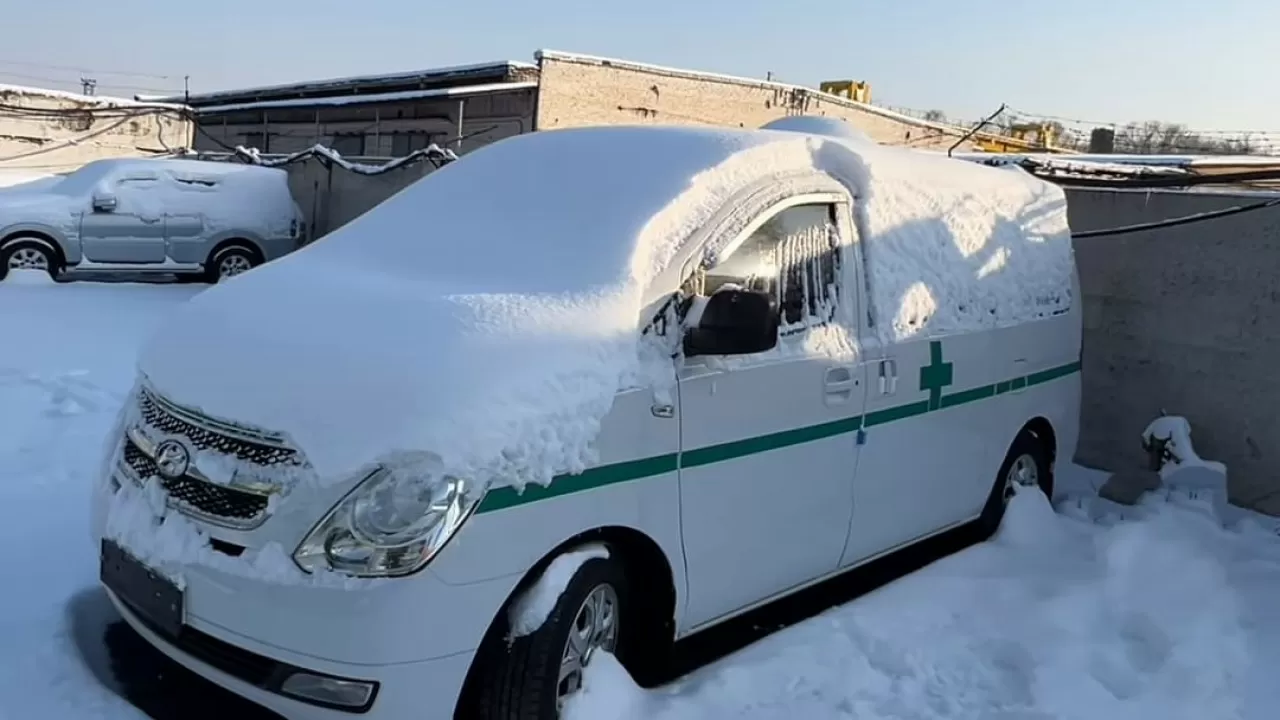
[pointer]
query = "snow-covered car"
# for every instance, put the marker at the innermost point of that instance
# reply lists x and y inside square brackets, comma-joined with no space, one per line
[199,220]
[583,390]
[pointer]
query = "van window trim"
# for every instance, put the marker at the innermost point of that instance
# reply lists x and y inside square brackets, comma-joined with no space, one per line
[712,255]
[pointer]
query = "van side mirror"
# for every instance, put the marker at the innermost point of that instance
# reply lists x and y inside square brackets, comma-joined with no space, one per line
[735,322]
[104,202]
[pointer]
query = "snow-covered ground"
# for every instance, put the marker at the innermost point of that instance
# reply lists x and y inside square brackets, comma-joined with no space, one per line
[1164,615]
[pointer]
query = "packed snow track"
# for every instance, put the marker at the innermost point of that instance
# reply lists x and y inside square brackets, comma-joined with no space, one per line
[1166,614]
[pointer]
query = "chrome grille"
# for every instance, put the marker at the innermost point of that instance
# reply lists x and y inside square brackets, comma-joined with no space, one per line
[169,420]
[193,493]
[205,498]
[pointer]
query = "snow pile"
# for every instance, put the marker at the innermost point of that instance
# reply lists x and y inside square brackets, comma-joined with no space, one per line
[533,607]
[1029,522]
[66,365]
[1168,617]
[29,277]
[490,312]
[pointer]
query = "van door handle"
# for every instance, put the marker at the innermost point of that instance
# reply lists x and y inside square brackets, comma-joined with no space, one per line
[838,378]
[838,384]
[888,376]
[1019,382]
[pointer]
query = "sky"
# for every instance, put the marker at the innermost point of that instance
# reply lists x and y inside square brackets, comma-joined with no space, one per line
[1204,64]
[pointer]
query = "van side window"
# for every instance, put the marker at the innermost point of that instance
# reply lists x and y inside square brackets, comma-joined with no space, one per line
[795,256]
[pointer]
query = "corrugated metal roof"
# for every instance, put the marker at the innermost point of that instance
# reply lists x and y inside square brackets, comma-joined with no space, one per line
[362,84]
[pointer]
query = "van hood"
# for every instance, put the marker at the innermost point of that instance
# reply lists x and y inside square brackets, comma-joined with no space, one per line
[30,205]
[358,366]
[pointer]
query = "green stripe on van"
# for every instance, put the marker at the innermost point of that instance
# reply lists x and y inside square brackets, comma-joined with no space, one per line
[507,497]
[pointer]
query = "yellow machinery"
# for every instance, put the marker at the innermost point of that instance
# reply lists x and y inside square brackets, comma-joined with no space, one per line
[1021,137]
[854,90]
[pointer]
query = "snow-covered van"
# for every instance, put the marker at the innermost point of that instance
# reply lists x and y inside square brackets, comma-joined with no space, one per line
[580,391]
[196,219]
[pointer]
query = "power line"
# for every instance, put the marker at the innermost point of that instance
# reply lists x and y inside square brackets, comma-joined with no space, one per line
[68,82]
[1184,220]
[84,70]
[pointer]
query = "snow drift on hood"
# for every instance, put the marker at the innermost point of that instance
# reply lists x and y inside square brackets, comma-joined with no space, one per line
[489,313]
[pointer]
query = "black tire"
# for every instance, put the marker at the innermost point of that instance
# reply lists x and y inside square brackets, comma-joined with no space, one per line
[212,269]
[1026,444]
[520,680]
[12,249]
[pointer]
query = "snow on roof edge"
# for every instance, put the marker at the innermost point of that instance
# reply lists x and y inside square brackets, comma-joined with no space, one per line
[104,100]
[740,80]
[308,85]
[371,98]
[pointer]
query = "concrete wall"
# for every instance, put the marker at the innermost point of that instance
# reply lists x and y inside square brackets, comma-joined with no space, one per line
[49,132]
[1186,320]
[579,91]
[480,119]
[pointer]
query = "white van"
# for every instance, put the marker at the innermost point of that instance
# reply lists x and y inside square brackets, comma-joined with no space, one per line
[583,390]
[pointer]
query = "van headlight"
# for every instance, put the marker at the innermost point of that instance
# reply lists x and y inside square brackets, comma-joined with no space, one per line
[390,525]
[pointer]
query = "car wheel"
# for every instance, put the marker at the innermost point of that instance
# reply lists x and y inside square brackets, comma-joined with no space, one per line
[28,255]
[1026,466]
[531,677]
[230,262]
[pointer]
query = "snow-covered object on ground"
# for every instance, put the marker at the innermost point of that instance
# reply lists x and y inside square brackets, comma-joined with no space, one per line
[1180,453]
[490,312]
[1182,469]
[535,604]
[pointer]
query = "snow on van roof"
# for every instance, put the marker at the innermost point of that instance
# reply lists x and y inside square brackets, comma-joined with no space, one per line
[488,313]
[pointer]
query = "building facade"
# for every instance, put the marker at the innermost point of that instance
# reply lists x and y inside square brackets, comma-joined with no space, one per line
[382,116]
[44,132]
[462,108]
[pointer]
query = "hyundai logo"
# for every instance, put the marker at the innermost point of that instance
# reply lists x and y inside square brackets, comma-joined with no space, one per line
[172,459]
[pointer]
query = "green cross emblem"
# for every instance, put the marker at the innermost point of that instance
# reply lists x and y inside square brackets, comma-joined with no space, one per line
[936,375]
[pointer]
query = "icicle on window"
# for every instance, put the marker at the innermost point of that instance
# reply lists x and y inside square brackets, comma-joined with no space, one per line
[793,255]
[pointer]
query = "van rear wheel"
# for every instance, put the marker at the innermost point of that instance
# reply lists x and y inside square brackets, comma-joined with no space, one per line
[1026,466]
[531,677]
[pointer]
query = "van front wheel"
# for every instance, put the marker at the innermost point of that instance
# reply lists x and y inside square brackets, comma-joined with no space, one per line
[1027,466]
[531,677]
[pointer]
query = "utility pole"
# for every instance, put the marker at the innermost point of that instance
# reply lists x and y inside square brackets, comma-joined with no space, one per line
[186,89]
[88,86]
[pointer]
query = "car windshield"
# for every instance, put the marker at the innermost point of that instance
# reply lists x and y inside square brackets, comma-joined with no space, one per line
[82,181]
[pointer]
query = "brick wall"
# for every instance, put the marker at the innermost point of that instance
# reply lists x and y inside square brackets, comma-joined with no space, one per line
[577,91]
[48,131]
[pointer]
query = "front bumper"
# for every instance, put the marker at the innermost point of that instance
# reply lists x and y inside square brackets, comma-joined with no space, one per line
[428,689]
[414,637]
